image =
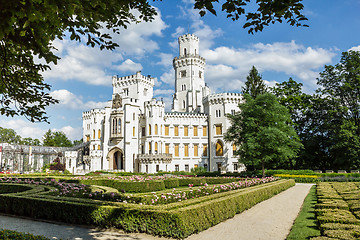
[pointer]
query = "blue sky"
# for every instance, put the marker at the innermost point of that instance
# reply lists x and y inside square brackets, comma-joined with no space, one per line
[82,78]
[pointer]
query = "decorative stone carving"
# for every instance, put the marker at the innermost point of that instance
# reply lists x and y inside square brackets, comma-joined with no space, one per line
[117,101]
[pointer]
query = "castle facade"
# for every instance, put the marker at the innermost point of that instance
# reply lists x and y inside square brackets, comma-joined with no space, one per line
[135,133]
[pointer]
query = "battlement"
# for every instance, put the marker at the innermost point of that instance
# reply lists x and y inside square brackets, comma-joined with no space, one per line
[155,103]
[132,79]
[185,115]
[188,37]
[189,59]
[92,112]
[222,97]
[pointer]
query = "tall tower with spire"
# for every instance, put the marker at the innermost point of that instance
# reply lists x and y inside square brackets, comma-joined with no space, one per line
[189,68]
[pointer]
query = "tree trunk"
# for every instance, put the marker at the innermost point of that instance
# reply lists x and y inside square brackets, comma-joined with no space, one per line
[263,169]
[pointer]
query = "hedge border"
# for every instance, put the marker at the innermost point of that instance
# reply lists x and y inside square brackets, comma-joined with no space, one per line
[178,222]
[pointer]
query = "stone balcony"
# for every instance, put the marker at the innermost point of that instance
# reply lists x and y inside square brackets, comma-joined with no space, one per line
[116,137]
[150,158]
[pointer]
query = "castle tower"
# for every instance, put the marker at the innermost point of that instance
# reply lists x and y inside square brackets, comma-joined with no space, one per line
[189,69]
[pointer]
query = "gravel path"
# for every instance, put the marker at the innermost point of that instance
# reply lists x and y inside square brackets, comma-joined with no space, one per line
[269,220]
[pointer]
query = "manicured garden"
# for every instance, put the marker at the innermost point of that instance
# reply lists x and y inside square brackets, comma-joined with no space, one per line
[172,206]
[330,212]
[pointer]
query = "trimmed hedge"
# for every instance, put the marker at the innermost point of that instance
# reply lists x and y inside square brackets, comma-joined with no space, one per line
[196,181]
[9,235]
[177,220]
[171,183]
[337,210]
[127,186]
[13,188]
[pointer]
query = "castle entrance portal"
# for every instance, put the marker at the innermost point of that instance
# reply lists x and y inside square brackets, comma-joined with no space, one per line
[116,159]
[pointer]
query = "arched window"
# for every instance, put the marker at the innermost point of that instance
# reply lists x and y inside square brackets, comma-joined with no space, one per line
[156,129]
[234,148]
[119,126]
[113,126]
[219,148]
[149,129]
[93,134]
[185,51]
[184,105]
[156,147]
[99,134]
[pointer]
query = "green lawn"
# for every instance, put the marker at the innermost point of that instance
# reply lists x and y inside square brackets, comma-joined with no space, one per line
[305,225]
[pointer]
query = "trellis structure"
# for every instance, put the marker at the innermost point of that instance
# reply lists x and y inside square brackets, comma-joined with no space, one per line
[23,158]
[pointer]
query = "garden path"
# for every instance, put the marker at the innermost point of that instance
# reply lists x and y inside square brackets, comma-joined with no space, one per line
[269,220]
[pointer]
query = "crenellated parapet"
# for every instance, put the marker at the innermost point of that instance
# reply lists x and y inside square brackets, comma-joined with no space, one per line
[189,59]
[132,79]
[221,98]
[154,103]
[185,115]
[92,113]
[188,37]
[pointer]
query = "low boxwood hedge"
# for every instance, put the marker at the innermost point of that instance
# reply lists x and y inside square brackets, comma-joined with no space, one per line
[195,181]
[177,220]
[127,186]
[13,235]
[171,183]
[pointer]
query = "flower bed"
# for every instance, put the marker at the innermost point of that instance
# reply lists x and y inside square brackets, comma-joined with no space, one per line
[204,190]
[177,220]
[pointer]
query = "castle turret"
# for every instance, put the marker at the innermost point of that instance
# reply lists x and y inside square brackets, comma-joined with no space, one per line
[189,76]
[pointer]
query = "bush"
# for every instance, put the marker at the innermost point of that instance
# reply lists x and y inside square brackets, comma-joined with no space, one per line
[127,186]
[13,188]
[191,180]
[9,235]
[336,216]
[221,180]
[177,220]
[171,183]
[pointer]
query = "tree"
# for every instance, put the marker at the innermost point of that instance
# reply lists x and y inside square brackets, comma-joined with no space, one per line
[8,135]
[267,12]
[77,142]
[56,139]
[28,28]
[31,142]
[254,84]
[341,84]
[291,96]
[262,134]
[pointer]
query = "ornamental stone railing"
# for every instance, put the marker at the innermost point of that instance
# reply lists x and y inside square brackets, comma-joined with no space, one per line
[149,158]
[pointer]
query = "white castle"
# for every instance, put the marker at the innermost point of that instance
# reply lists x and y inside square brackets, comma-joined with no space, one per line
[135,134]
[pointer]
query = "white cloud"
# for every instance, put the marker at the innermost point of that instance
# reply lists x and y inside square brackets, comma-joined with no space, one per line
[356,48]
[129,66]
[231,65]
[91,65]
[136,38]
[197,26]
[82,63]
[165,59]
[69,100]
[24,128]
[168,77]
[37,130]
[70,132]
[160,92]
[178,32]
